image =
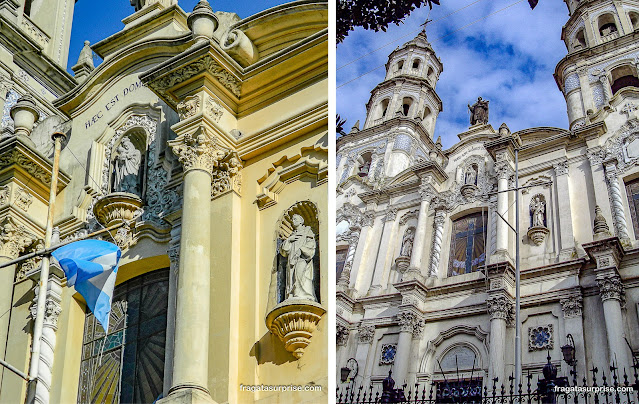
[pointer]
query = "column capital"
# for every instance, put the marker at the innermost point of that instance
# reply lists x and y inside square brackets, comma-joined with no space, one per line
[611,287]
[365,333]
[561,168]
[596,155]
[391,214]
[227,176]
[197,151]
[410,322]
[368,218]
[341,334]
[572,306]
[14,238]
[440,217]
[500,307]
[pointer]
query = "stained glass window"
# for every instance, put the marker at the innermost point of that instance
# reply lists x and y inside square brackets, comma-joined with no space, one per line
[467,244]
[127,365]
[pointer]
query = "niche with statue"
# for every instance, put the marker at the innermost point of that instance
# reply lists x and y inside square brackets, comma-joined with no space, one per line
[296,278]
[469,178]
[125,183]
[538,229]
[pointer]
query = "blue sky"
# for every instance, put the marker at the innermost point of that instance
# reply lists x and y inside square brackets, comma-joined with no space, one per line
[94,20]
[507,58]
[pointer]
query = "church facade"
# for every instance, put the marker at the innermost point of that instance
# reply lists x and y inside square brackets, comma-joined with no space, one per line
[426,248]
[204,136]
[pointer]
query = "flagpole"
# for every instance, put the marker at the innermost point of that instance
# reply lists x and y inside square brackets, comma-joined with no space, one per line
[44,274]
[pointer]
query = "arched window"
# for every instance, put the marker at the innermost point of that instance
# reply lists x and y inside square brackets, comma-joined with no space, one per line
[127,365]
[426,113]
[416,64]
[607,27]
[400,66]
[580,40]
[459,358]
[431,73]
[406,103]
[467,244]
[623,76]
[634,20]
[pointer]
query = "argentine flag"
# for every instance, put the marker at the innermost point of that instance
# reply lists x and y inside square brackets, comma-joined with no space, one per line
[91,267]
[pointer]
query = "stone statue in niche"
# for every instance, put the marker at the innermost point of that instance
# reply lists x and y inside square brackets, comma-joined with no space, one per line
[127,167]
[471,176]
[364,169]
[479,112]
[299,247]
[407,243]
[538,212]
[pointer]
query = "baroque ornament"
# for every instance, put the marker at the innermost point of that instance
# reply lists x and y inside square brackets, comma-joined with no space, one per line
[365,334]
[294,324]
[500,307]
[540,338]
[227,177]
[341,335]
[14,238]
[23,199]
[611,288]
[213,109]
[189,107]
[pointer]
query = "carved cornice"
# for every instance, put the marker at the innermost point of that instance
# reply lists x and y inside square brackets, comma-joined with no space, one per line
[161,83]
[14,238]
[197,151]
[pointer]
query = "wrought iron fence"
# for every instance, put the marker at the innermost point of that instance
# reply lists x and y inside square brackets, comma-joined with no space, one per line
[616,388]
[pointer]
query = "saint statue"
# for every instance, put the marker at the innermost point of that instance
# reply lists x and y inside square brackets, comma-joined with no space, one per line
[471,176]
[538,212]
[479,112]
[127,167]
[299,247]
[138,4]
[364,169]
[407,243]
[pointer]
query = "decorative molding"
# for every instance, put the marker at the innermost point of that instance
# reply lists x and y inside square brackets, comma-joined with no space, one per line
[23,199]
[411,214]
[387,354]
[294,322]
[213,109]
[188,107]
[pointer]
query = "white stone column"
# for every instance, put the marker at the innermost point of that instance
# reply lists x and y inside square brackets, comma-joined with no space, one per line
[409,324]
[364,354]
[199,154]
[566,236]
[380,262]
[47,347]
[345,277]
[358,259]
[611,291]
[500,309]
[369,254]
[438,235]
[618,214]
[420,233]
[572,308]
[504,171]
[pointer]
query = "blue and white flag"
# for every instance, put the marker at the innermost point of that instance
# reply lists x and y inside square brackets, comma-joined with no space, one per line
[91,267]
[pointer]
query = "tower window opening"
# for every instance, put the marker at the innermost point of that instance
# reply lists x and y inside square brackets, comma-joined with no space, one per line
[400,65]
[430,74]
[580,40]
[416,64]
[624,76]
[383,108]
[406,103]
[634,20]
[426,113]
[27,7]
[607,26]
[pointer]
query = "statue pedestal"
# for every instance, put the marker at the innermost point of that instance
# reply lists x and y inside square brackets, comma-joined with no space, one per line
[538,234]
[293,321]
[116,208]
[469,190]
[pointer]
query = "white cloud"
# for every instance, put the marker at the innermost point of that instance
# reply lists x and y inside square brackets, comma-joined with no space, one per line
[507,58]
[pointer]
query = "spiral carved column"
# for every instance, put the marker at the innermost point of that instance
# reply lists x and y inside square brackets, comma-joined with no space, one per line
[437,243]
[616,202]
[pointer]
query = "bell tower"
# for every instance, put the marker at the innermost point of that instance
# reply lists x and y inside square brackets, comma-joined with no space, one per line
[408,88]
[600,72]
